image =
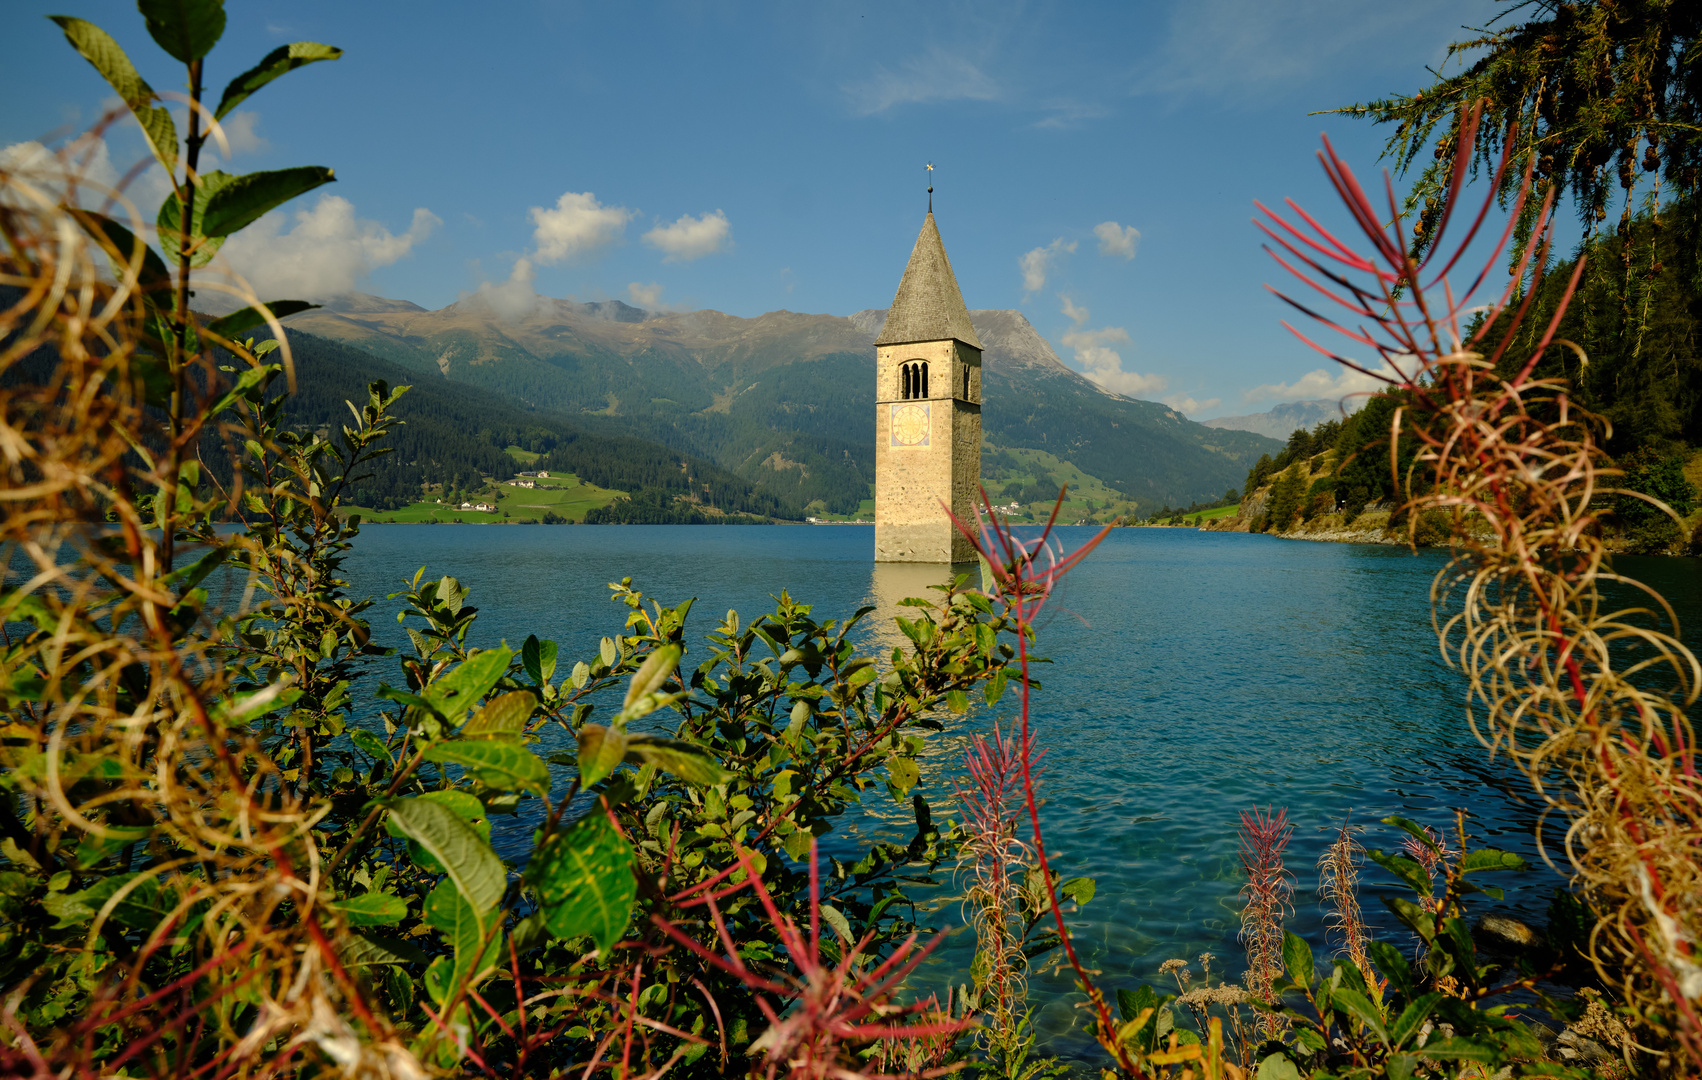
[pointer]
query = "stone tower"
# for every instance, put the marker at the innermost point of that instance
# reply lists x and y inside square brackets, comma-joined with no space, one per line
[927,413]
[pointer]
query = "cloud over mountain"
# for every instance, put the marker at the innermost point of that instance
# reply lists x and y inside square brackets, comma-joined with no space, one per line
[578,225]
[326,252]
[690,237]
[1038,262]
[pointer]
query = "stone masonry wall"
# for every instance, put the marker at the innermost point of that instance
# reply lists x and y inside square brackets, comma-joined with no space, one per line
[912,480]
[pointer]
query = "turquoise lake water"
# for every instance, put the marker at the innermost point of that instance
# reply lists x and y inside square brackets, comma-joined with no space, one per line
[1195,675]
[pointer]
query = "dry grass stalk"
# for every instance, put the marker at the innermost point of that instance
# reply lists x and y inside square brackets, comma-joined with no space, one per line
[1338,886]
[1268,890]
[127,734]
[993,860]
[1589,698]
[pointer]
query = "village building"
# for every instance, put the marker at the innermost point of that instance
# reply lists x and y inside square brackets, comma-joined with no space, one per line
[927,413]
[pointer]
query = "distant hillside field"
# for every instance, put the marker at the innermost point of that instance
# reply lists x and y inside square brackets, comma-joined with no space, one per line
[456,437]
[784,401]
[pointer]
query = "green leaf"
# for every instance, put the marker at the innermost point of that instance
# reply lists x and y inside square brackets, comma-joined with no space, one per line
[502,717]
[248,318]
[904,773]
[123,248]
[1277,1067]
[371,909]
[464,855]
[1408,871]
[1079,889]
[841,925]
[1420,921]
[98,48]
[243,199]
[995,688]
[601,750]
[369,744]
[141,909]
[455,692]
[283,59]
[685,760]
[1130,1003]
[1461,1050]
[363,951]
[496,764]
[1491,859]
[1360,1007]
[1392,965]
[539,658]
[1412,1018]
[1415,830]
[1297,959]
[186,29]
[448,912]
[648,679]
[170,221]
[1402,1066]
[93,849]
[583,877]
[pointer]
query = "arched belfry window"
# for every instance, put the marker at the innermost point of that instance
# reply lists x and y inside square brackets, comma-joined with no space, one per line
[913,380]
[966,396]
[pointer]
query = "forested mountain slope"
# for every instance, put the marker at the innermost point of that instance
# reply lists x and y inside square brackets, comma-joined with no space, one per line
[455,434]
[785,400]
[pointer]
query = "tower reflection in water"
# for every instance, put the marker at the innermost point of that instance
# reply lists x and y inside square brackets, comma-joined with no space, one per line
[878,817]
[892,582]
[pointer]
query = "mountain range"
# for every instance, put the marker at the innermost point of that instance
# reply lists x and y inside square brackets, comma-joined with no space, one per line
[784,400]
[1280,422]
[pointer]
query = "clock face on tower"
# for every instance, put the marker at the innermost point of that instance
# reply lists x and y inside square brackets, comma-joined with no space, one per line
[910,424]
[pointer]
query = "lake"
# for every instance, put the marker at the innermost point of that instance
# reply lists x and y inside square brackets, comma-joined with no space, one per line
[1196,675]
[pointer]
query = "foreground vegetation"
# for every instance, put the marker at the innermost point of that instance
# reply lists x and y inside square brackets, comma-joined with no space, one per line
[251,840]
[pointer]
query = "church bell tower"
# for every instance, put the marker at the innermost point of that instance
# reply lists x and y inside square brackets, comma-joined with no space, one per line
[927,413]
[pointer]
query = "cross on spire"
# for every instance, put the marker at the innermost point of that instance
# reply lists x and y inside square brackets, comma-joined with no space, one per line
[930,187]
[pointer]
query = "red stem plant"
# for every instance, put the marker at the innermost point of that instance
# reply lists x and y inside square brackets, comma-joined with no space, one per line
[1588,700]
[1023,574]
[815,1014]
[992,854]
[1269,888]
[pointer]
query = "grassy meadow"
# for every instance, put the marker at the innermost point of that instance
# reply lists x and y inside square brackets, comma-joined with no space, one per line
[564,495]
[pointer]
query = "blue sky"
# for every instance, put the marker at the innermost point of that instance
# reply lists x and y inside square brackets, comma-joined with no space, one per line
[1096,163]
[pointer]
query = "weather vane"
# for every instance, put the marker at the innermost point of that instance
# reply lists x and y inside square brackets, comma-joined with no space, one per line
[930,187]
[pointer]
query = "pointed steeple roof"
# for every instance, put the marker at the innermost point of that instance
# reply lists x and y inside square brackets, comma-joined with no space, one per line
[928,306]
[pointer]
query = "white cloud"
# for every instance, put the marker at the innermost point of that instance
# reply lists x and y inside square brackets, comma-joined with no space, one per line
[88,162]
[1104,365]
[327,252]
[578,225]
[936,75]
[1182,403]
[1065,114]
[514,298]
[690,237]
[1036,263]
[1321,383]
[1093,339]
[240,134]
[648,296]
[1077,315]
[1118,240]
